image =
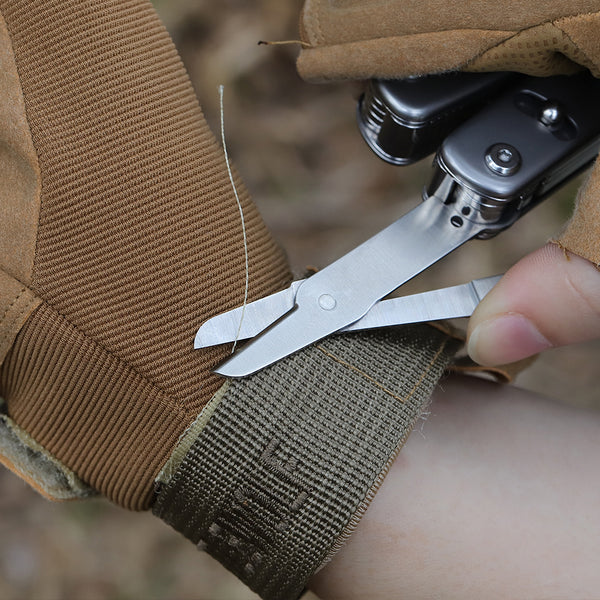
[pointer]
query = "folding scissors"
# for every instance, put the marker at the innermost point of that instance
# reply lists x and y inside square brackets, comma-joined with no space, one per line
[521,144]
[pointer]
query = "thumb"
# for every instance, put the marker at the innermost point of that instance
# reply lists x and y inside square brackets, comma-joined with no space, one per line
[550,298]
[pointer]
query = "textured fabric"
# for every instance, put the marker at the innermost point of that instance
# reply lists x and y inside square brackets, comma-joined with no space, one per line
[362,39]
[20,181]
[139,240]
[290,458]
[20,199]
[359,39]
[25,457]
[17,302]
[91,410]
[581,235]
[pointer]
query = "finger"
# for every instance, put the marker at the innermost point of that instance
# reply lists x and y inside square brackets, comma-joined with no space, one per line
[550,298]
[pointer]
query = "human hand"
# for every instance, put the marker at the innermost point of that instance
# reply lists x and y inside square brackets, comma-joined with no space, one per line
[120,233]
[362,39]
[549,298]
[552,297]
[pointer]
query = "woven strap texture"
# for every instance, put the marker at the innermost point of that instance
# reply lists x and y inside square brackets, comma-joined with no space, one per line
[289,460]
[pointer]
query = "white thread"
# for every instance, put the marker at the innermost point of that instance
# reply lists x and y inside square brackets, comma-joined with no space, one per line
[237,198]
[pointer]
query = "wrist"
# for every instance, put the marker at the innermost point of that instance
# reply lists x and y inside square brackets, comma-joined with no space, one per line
[494,500]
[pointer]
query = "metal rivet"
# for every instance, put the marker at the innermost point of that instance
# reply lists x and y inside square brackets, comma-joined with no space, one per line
[327,302]
[551,114]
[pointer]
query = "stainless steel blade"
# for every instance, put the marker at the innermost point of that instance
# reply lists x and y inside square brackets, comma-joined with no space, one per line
[246,321]
[446,303]
[344,291]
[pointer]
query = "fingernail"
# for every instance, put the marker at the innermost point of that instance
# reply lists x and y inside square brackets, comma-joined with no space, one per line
[505,339]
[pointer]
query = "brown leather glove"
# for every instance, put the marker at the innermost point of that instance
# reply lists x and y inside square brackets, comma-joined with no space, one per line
[552,297]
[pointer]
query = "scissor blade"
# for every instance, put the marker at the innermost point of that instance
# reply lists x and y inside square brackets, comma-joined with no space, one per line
[344,291]
[246,321]
[446,303]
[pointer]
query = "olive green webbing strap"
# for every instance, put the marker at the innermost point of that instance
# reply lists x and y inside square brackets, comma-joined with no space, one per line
[290,458]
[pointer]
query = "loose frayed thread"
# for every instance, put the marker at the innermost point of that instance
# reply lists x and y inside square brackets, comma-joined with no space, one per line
[237,199]
[284,43]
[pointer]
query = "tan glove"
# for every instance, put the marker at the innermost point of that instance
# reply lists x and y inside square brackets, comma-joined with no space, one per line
[120,234]
[552,297]
[359,39]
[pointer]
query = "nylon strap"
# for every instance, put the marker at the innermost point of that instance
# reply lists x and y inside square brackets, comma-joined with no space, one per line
[290,458]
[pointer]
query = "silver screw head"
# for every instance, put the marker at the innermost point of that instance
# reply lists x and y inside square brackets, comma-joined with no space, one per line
[551,114]
[503,159]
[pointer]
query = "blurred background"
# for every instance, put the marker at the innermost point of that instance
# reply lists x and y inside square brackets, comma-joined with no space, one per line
[321,191]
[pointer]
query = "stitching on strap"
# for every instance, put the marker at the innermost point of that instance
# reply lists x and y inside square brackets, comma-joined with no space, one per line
[380,385]
[273,499]
[427,369]
[361,373]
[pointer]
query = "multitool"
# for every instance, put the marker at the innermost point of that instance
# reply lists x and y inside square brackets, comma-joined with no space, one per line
[503,142]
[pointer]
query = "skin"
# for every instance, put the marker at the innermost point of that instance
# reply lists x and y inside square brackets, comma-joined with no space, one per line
[497,498]
[550,298]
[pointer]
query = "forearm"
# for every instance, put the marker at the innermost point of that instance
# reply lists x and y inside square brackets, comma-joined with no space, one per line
[497,499]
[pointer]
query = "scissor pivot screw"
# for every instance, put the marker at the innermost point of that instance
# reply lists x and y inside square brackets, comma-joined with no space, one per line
[327,302]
